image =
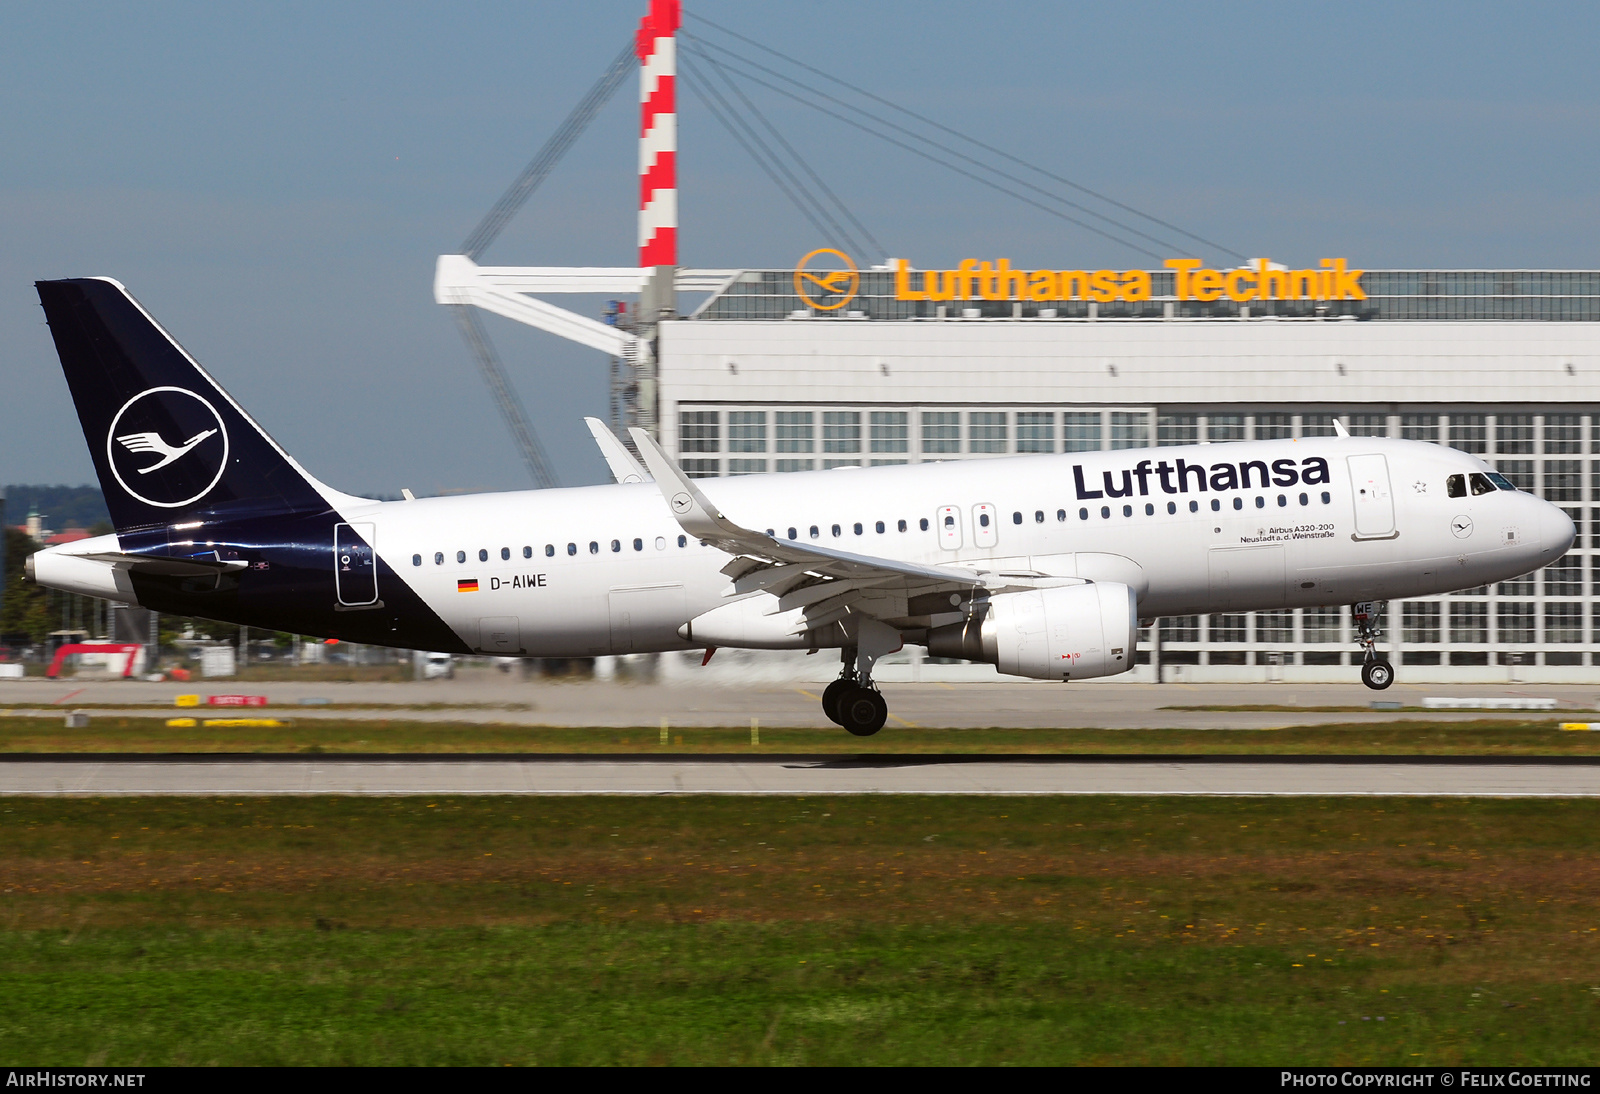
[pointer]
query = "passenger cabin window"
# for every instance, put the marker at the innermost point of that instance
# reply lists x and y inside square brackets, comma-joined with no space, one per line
[416,560]
[638,545]
[1038,516]
[438,558]
[461,556]
[836,531]
[814,532]
[1194,507]
[792,533]
[901,525]
[483,555]
[1456,486]
[505,554]
[1061,514]
[1016,518]
[923,524]
[683,541]
[616,545]
[1481,484]
[572,548]
[594,547]
[549,550]
[879,526]
[857,527]
[527,552]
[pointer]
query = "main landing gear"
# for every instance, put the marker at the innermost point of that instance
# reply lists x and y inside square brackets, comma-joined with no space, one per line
[853,702]
[1376,672]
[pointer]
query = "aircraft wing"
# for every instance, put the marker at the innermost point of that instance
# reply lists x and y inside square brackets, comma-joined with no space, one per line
[828,582]
[624,468]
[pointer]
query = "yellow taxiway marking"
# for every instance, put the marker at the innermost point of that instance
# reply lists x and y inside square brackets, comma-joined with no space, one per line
[808,695]
[902,721]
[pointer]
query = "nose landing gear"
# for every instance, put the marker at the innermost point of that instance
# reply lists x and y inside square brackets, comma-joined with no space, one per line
[852,701]
[1376,672]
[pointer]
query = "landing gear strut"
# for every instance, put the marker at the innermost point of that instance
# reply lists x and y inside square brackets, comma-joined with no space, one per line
[1376,672]
[852,701]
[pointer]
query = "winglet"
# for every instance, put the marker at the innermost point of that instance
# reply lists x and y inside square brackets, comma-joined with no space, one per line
[1339,429]
[693,510]
[624,468]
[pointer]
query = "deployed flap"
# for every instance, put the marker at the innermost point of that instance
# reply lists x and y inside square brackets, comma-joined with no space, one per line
[624,468]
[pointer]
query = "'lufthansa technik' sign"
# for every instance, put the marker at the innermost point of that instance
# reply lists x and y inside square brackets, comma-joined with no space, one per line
[1332,279]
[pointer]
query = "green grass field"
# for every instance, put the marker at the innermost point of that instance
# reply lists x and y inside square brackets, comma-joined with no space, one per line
[140,932]
[110,733]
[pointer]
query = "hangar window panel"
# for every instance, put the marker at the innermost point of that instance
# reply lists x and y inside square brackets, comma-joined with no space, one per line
[891,431]
[1036,431]
[1369,425]
[1563,623]
[1080,431]
[747,467]
[1469,623]
[1469,433]
[1516,623]
[1526,585]
[1563,433]
[1520,472]
[698,431]
[1275,627]
[841,431]
[1563,480]
[702,469]
[1419,622]
[1578,525]
[796,431]
[794,465]
[1225,427]
[1322,625]
[747,431]
[1230,627]
[1130,429]
[1175,429]
[1513,433]
[829,465]
[1317,425]
[941,432]
[1564,576]
[887,463]
[1180,628]
[1419,427]
[1274,427]
[986,431]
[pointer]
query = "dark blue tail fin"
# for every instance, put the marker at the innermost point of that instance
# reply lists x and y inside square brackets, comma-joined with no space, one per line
[168,443]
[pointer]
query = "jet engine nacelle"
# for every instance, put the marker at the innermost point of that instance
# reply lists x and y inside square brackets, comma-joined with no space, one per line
[1072,633]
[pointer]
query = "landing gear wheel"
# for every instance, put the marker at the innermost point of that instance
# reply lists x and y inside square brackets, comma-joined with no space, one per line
[1377,675]
[862,711]
[830,698]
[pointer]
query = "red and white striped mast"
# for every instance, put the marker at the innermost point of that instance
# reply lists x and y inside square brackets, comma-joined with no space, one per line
[656,44]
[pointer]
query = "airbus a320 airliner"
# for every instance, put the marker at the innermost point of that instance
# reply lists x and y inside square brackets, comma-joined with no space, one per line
[1040,565]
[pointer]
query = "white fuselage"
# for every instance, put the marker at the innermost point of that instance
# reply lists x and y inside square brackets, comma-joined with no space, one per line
[606,569]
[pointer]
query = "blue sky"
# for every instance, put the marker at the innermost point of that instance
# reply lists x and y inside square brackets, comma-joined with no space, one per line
[274,181]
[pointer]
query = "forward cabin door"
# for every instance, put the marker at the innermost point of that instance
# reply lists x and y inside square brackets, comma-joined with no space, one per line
[1370,493]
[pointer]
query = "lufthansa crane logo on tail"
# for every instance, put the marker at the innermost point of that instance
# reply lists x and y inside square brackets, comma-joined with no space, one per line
[167,447]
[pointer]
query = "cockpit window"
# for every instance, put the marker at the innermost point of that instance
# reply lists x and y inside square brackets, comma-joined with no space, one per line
[1481,484]
[1501,481]
[1456,486]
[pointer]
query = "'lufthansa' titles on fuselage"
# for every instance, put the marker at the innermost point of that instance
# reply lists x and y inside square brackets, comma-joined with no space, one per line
[1182,476]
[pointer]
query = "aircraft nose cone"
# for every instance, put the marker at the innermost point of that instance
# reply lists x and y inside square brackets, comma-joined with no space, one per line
[1556,532]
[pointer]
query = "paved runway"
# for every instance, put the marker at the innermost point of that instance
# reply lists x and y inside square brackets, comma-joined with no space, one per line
[796,775]
[930,705]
